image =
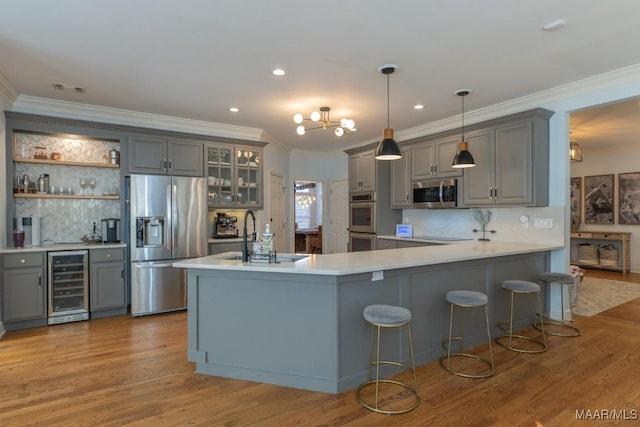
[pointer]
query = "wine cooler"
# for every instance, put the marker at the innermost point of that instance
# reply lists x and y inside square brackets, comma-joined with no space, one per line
[68,286]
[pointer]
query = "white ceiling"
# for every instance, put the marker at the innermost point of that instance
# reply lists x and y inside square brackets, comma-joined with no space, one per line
[194,59]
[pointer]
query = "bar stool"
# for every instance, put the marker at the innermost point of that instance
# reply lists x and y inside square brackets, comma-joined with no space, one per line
[465,300]
[388,316]
[564,280]
[521,287]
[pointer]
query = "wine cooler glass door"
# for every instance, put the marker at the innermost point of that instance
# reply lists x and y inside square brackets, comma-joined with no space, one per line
[68,286]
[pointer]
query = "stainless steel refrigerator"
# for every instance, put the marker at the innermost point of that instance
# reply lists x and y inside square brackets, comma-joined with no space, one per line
[167,218]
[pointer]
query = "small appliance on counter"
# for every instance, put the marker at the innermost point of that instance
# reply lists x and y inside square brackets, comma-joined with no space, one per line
[31,227]
[110,230]
[225,226]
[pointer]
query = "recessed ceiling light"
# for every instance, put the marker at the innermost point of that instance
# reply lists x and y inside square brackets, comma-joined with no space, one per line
[234,109]
[278,72]
[554,25]
[64,86]
[418,107]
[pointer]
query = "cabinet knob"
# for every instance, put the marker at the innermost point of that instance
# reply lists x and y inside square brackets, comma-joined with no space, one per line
[23,261]
[108,255]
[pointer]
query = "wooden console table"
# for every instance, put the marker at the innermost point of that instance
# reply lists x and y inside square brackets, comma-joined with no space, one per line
[618,239]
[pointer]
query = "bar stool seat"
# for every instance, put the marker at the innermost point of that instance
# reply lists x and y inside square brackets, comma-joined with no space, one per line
[566,325]
[507,341]
[381,316]
[464,299]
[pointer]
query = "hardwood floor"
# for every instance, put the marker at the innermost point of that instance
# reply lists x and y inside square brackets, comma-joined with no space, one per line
[121,370]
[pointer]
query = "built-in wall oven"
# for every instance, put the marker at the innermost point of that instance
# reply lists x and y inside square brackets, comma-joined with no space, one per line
[362,213]
[362,222]
[362,242]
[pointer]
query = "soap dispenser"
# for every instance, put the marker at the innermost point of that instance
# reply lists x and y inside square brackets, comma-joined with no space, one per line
[267,239]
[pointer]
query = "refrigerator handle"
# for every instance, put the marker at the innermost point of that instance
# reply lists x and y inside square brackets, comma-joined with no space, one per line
[174,215]
[168,226]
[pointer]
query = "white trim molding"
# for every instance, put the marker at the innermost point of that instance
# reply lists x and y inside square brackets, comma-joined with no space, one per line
[74,110]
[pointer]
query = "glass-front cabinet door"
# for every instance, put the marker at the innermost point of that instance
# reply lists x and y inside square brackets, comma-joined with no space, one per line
[234,177]
[249,177]
[220,177]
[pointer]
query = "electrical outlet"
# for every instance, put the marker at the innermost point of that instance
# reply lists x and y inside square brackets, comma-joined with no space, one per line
[543,223]
[377,275]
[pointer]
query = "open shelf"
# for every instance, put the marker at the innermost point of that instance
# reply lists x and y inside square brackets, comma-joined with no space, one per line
[64,196]
[65,163]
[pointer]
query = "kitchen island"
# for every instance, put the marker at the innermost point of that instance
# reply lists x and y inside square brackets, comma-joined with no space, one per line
[299,324]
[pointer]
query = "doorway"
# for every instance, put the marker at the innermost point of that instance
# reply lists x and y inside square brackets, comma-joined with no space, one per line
[308,216]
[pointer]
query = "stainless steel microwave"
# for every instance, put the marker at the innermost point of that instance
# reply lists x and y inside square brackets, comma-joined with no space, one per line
[434,194]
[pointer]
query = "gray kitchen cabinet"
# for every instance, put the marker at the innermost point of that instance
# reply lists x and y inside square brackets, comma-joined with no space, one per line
[512,163]
[362,172]
[433,159]
[224,246]
[165,156]
[24,290]
[107,290]
[234,176]
[401,180]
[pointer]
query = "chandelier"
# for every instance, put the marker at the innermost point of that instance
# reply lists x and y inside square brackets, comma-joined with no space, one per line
[322,118]
[305,199]
[305,193]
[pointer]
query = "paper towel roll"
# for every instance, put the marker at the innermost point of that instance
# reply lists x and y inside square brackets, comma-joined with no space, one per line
[35,231]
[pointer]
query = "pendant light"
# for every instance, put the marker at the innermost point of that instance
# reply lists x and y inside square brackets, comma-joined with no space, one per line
[387,148]
[463,158]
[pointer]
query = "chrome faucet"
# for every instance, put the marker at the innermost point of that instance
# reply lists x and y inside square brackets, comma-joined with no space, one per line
[245,246]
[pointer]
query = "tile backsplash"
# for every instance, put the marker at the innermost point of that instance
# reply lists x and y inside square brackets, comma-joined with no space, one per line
[508,223]
[67,219]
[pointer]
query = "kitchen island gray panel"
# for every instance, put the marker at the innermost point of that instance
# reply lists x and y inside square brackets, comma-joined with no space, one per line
[306,330]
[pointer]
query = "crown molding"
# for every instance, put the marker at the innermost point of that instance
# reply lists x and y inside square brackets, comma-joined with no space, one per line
[74,110]
[7,94]
[626,75]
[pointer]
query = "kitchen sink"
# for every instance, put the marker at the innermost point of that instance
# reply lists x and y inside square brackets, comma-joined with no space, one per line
[277,259]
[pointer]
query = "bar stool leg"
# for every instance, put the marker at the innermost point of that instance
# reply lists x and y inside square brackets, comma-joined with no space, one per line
[461,353]
[378,320]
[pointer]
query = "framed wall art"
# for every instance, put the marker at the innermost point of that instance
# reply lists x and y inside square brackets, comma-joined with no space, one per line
[629,198]
[598,199]
[576,202]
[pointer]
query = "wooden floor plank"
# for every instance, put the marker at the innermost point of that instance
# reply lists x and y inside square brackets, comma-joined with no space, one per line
[117,371]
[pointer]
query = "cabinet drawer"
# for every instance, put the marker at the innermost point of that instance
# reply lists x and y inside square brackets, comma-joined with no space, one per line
[112,254]
[31,259]
[582,235]
[611,236]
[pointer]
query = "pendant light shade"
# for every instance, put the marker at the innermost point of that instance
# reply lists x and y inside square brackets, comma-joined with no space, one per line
[575,153]
[388,148]
[463,158]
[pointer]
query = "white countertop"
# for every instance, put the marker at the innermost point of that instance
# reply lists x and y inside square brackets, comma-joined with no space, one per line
[62,247]
[364,262]
[429,239]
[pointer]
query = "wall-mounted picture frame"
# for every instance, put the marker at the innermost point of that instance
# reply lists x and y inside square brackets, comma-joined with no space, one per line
[629,198]
[575,185]
[599,198]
